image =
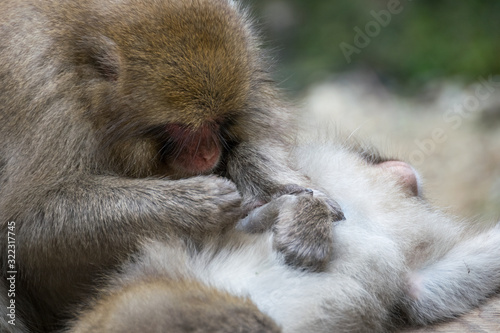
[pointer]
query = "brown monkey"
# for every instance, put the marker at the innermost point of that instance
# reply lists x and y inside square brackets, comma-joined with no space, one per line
[116,119]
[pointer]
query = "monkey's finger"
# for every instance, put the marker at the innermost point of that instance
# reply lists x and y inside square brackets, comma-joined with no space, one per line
[260,219]
[230,206]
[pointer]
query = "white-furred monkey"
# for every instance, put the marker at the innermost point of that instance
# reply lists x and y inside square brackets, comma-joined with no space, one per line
[127,119]
[397,260]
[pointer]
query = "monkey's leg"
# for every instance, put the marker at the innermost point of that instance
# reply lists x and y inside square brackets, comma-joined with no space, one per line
[462,279]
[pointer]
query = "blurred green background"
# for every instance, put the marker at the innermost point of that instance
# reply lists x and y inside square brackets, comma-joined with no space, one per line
[424,40]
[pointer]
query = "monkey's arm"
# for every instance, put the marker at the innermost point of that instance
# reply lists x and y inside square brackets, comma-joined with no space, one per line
[99,206]
[92,222]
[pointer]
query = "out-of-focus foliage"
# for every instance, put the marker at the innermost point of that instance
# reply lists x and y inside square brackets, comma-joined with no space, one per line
[426,39]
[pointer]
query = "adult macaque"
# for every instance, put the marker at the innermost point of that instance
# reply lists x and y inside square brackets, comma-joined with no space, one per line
[113,115]
[397,261]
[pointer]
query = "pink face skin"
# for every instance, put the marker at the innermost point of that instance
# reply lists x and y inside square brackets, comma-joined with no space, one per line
[196,151]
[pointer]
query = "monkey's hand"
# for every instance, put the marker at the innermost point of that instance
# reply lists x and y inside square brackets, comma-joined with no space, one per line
[205,204]
[302,225]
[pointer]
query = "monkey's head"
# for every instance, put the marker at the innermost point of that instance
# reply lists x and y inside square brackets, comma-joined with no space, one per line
[168,77]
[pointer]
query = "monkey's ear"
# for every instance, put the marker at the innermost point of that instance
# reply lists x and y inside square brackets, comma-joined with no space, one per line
[406,175]
[103,55]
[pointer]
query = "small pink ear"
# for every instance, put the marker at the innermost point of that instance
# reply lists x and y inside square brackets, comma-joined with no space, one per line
[404,173]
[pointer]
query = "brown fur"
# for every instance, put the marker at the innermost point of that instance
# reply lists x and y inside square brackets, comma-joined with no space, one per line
[88,89]
[174,306]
